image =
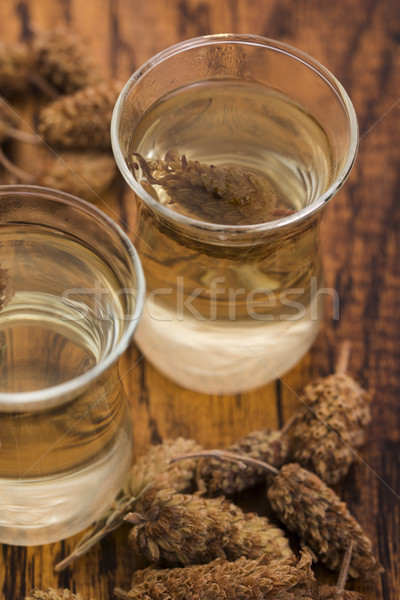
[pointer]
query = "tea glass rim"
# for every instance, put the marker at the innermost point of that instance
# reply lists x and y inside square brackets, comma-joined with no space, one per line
[244,39]
[58,394]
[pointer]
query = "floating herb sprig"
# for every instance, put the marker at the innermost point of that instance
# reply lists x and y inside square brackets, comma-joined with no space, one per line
[225,194]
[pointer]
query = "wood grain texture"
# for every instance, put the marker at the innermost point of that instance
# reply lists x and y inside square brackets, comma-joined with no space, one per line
[358,41]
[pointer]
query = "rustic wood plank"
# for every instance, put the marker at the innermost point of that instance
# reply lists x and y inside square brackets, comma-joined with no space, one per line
[358,41]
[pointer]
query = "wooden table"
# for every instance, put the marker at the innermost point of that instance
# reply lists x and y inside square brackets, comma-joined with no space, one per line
[357,41]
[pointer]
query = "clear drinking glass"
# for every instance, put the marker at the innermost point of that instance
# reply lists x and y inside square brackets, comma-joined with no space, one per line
[71,295]
[231,303]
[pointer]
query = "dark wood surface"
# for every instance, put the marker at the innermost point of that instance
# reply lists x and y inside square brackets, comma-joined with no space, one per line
[358,41]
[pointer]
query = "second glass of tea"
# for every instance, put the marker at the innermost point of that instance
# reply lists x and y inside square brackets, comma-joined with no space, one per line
[232,145]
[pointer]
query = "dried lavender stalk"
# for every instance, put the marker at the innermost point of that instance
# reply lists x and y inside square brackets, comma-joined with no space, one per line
[219,194]
[51,594]
[244,579]
[225,477]
[306,505]
[151,468]
[81,120]
[330,424]
[173,529]
[84,174]
[63,60]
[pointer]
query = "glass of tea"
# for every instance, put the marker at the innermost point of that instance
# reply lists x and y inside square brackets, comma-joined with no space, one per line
[232,145]
[71,295]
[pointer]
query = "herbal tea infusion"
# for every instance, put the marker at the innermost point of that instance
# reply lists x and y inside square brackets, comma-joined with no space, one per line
[65,427]
[227,170]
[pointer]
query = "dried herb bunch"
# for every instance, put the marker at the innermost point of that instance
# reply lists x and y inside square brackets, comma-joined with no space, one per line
[151,468]
[244,579]
[51,594]
[61,57]
[173,529]
[331,423]
[269,446]
[16,63]
[224,194]
[320,436]
[81,120]
[85,174]
[306,505]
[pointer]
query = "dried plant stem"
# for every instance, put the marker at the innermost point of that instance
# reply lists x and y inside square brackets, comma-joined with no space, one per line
[12,168]
[23,136]
[288,425]
[43,85]
[344,357]
[344,571]
[241,460]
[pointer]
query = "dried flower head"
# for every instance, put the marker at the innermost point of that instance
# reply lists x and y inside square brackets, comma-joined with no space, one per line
[15,66]
[51,594]
[154,467]
[175,529]
[84,174]
[224,194]
[226,477]
[306,505]
[151,468]
[244,579]
[62,58]
[81,120]
[330,424]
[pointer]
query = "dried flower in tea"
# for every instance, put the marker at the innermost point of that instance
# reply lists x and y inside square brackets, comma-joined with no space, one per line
[15,66]
[226,477]
[81,120]
[63,60]
[84,174]
[175,529]
[224,194]
[244,579]
[306,505]
[330,424]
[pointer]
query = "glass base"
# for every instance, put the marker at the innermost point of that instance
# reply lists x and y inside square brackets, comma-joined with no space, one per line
[224,357]
[34,511]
